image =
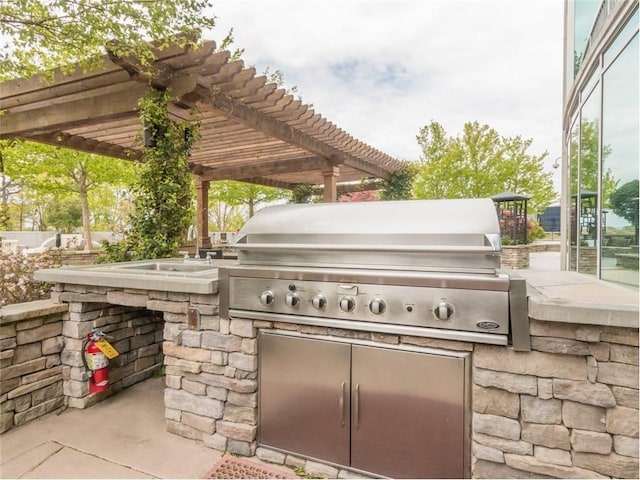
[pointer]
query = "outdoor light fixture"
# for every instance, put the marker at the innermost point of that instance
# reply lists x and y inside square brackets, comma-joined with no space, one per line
[148,134]
[556,162]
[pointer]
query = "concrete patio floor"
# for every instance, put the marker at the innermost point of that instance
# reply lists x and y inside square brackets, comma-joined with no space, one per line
[123,437]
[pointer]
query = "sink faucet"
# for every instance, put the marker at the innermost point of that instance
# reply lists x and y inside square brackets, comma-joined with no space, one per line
[192,234]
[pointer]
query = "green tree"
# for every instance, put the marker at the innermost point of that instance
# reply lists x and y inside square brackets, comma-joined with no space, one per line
[479,163]
[250,195]
[47,169]
[399,185]
[44,34]
[589,149]
[624,202]
[303,193]
[225,217]
[65,215]
[8,187]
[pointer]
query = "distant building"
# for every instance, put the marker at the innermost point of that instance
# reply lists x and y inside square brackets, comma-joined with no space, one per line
[601,137]
[550,219]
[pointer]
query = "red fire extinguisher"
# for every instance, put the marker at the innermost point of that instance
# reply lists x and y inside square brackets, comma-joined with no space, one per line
[96,362]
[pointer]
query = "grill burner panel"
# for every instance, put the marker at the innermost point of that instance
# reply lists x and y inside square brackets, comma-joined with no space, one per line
[458,307]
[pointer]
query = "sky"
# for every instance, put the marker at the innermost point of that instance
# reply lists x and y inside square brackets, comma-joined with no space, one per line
[382,69]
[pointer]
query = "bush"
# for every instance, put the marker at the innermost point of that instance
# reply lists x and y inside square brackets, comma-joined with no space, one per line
[534,231]
[16,276]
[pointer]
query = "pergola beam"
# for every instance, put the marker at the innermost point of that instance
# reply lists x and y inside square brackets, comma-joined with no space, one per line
[88,145]
[265,169]
[88,109]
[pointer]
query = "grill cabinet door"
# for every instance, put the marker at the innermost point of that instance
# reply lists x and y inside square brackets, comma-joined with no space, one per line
[304,396]
[408,413]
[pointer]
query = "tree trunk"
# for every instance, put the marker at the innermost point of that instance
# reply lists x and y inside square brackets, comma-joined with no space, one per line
[86,221]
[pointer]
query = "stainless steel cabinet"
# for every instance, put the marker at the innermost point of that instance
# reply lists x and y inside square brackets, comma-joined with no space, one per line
[396,413]
[304,396]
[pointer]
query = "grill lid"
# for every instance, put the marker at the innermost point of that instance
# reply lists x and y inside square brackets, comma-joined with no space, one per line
[440,235]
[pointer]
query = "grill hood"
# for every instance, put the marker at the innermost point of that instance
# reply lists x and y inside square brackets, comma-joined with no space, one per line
[433,235]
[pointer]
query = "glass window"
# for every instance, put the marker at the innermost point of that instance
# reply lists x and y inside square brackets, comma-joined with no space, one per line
[585,12]
[620,154]
[587,201]
[574,155]
[621,39]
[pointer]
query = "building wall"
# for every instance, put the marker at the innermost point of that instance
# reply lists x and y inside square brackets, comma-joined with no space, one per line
[601,132]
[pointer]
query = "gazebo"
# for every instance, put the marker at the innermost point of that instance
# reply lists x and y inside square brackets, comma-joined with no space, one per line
[251,130]
[512,215]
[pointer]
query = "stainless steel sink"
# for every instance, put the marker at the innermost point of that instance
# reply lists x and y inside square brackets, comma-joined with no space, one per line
[169,274]
[168,267]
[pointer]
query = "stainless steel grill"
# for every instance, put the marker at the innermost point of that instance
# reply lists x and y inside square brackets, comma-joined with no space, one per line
[425,268]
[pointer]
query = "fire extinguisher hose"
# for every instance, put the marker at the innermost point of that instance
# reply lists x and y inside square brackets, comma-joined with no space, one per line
[84,352]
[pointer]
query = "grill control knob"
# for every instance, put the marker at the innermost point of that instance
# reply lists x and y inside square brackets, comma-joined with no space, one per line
[267,297]
[443,311]
[291,299]
[319,301]
[377,306]
[347,304]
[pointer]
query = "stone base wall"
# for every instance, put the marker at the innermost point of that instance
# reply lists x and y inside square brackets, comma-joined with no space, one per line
[543,247]
[79,257]
[134,331]
[587,259]
[30,345]
[516,256]
[567,409]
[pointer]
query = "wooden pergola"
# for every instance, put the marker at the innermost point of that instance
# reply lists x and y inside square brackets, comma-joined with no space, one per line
[251,130]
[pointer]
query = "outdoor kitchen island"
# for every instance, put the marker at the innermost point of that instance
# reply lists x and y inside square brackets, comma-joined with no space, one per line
[568,408]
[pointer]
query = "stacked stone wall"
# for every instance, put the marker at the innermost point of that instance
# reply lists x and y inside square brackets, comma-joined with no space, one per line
[567,409]
[516,256]
[31,371]
[134,331]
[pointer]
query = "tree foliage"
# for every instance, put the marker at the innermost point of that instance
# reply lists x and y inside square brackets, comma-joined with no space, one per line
[163,192]
[249,195]
[65,215]
[225,217]
[479,163]
[48,171]
[40,35]
[624,201]
[303,193]
[587,137]
[399,185]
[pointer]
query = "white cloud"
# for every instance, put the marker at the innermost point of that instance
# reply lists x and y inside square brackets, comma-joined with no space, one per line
[382,69]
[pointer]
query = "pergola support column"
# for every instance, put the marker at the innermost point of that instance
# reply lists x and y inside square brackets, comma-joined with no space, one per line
[331,184]
[202,211]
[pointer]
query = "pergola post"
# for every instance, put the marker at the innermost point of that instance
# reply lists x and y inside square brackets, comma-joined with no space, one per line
[330,176]
[202,211]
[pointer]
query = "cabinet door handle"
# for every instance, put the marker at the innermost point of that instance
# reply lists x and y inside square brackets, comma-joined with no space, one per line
[341,403]
[356,401]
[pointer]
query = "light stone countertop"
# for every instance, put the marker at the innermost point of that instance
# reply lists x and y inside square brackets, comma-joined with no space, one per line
[169,274]
[576,298]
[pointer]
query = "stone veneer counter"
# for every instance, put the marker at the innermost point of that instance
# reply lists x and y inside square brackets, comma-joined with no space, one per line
[574,298]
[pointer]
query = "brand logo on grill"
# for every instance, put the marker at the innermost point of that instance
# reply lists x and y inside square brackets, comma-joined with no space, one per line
[487,325]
